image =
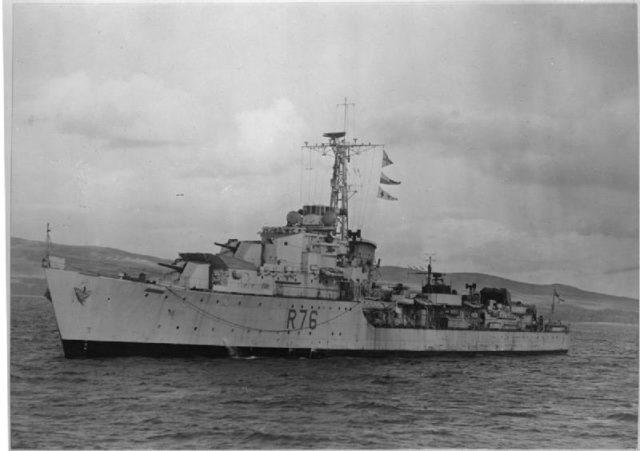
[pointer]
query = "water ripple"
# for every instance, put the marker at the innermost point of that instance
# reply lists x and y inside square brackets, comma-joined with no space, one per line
[586,399]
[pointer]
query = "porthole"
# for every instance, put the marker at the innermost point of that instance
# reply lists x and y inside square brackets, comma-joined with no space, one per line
[195,328]
[177,327]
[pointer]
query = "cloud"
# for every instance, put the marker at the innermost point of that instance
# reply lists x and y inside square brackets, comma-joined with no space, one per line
[543,258]
[633,269]
[562,238]
[609,226]
[529,132]
[524,147]
[260,141]
[132,112]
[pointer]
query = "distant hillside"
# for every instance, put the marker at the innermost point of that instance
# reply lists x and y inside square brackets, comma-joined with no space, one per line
[27,277]
[26,258]
[27,280]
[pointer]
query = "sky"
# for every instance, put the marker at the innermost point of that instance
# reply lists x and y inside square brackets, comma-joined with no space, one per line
[162,128]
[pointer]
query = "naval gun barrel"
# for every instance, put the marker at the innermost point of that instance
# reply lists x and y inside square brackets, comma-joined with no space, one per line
[174,267]
[226,246]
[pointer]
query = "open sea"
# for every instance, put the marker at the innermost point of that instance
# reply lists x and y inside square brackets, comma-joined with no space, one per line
[586,399]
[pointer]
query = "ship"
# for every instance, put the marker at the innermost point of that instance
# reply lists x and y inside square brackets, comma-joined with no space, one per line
[309,287]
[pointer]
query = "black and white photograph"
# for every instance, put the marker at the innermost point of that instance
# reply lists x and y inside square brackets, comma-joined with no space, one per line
[322,225]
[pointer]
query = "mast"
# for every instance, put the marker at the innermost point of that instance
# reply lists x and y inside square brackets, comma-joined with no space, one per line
[342,151]
[426,272]
[46,261]
[48,241]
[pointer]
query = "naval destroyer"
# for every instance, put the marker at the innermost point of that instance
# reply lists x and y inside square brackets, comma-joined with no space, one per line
[309,287]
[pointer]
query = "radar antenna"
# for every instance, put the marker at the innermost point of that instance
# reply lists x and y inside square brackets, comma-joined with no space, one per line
[346,106]
[342,151]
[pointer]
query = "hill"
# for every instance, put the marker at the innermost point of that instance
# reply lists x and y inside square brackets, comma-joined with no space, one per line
[27,279]
[26,256]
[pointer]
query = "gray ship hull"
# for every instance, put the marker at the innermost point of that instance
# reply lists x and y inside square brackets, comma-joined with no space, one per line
[103,316]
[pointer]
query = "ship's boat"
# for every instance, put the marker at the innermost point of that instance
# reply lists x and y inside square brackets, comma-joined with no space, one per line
[308,287]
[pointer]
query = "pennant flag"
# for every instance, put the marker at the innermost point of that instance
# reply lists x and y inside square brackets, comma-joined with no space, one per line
[386,180]
[555,294]
[386,161]
[382,194]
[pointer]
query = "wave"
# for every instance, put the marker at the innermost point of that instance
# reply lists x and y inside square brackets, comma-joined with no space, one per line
[515,413]
[180,435]
[247,357]
[623,416]
[266,440]
[442,374]
[383,380]
[371,405]
[265,436]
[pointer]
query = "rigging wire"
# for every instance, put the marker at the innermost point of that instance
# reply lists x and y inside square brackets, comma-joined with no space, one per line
[373,183]
[301,175]
[310,174]
[359,199]
[315,178]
